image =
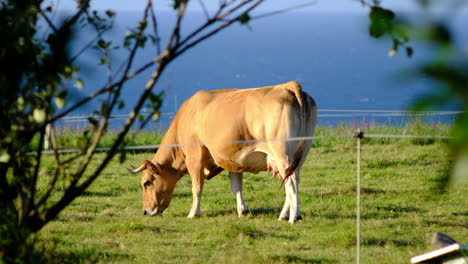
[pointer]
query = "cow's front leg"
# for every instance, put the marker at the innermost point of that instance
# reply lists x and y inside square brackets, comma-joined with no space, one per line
[197,188]
[236,187]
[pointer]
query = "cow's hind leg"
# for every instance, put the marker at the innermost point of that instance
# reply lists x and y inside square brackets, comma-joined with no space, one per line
[292,190]
[284,215]
[236,187]
[291,210]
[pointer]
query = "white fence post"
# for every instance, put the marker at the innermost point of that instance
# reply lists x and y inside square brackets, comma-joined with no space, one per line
[47,137]
[359,135]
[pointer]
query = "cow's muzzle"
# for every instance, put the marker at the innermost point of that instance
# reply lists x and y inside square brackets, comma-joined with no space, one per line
[150,212]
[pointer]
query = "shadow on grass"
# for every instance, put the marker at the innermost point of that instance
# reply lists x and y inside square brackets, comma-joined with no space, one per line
[252,212]
[48,251]
[387,242]
[399,208]
[246,230]
[446,223]
[297,259]
[97,194]
[376,213]
[75,218]
[264,211]
[383,164]
[460,213]
[351,191]
[148,228]
[89,255]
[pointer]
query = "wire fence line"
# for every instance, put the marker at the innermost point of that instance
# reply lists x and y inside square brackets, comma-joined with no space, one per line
[322,113]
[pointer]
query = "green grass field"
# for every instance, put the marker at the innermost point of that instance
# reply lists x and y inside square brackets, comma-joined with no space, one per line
[402,207]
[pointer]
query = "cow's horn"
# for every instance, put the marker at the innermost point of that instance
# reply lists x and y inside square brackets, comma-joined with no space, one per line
[136,170]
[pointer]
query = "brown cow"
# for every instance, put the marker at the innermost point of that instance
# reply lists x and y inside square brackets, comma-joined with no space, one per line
[238,130]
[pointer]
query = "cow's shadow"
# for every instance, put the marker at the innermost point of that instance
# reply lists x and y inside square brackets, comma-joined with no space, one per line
[251,212]
[264,211]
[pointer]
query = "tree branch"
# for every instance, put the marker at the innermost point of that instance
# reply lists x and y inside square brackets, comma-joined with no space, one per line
[155,28]
[46,18]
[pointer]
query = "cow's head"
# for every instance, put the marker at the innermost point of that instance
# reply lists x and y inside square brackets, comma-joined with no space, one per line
[158,185]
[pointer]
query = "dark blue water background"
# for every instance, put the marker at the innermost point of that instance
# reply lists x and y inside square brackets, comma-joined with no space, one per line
[330,54]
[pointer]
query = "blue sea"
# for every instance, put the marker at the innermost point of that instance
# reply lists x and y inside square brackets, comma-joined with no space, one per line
[330,54]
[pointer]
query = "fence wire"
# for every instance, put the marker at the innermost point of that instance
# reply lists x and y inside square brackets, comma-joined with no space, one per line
[321,113]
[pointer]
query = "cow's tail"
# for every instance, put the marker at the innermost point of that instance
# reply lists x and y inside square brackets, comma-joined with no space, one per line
[296,89]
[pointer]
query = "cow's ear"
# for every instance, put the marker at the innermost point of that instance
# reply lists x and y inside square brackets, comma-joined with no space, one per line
[154,167]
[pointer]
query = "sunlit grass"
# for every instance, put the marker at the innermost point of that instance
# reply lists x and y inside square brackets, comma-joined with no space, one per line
[401,209]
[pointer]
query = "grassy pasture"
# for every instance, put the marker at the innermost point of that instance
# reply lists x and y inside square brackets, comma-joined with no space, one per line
[401,209]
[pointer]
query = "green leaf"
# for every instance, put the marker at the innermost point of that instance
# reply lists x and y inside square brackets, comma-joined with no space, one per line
[4,156]
[39,115]
[103,44]
[178,3]
[156,116]
[20,103]
[94,122]
[460,169]
[110,13]
[381,21]
[244,18]
[142,41]
[409,51]
[440,33]
[79,84]
[156,101]
[401,32]
[429,101]
[142,25]
[60,102]
[140,117]
[121,105]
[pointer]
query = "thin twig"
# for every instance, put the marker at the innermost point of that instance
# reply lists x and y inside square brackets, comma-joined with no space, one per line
[51,25]
[236,8]
[218,17]
[214,31]
[285,10]
[204,9]
[87,46]
[155,28]
[81,103]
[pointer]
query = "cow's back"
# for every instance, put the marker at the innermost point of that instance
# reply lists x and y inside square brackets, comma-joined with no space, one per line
[220,119]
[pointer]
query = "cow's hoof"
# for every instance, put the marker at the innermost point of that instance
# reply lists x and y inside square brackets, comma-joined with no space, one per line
[283,218]
[243,213]
[297,218]
[193,216]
